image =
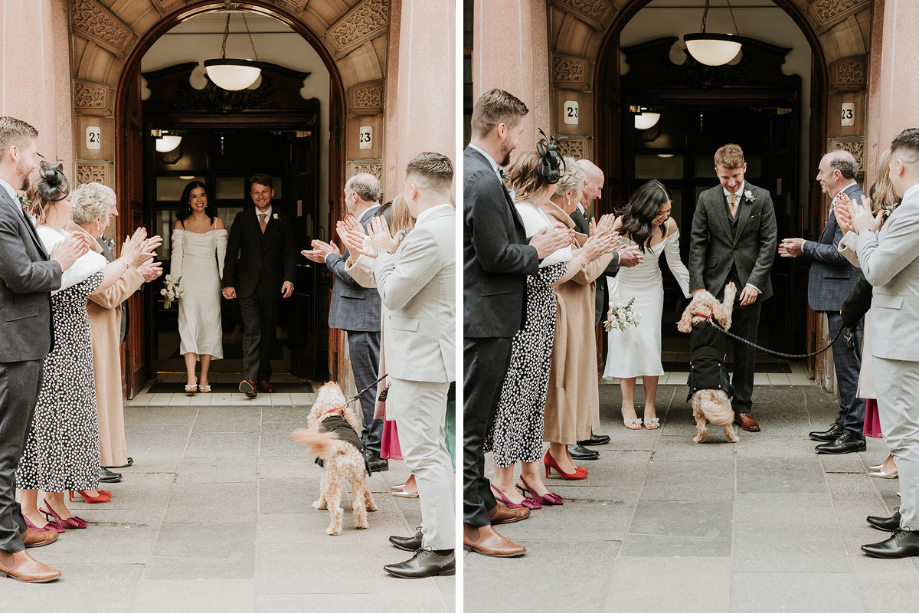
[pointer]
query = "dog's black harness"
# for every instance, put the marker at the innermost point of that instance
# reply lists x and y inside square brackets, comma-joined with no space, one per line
[339,427]
[707,371]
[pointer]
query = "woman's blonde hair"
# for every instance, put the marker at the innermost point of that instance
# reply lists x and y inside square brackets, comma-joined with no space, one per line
[90,202]
[884,193]
[524,177]
[38,207]
[401,216]
[572,178]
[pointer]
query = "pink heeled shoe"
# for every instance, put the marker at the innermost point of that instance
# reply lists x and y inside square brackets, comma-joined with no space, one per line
[527,502]
[51,526]
[548,499]
[74,523]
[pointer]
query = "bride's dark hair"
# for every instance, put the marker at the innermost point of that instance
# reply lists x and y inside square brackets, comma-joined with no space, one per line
[639,212]
[185,208]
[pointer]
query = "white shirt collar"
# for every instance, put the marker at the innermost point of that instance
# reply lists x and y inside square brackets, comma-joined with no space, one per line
[910,192]
[12,192]
[840,192]
[370,209]
[268,212]
[490,159]
[582,209]
[427,213]
[738,192]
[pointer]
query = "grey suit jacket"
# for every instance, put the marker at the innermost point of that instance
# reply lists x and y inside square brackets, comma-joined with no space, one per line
[418,285]
[832,277]
[354,308]
[26,278]
[714,248]
[890,262]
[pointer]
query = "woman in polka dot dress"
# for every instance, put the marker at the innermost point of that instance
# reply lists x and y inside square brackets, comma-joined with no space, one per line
[62,449]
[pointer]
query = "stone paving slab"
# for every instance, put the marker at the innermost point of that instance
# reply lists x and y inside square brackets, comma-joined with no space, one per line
[215,515]
[663,524]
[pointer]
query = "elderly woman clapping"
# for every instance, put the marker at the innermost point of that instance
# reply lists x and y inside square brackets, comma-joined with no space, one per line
[94,207]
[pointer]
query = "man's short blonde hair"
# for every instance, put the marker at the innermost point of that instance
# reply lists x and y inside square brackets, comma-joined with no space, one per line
[730,156]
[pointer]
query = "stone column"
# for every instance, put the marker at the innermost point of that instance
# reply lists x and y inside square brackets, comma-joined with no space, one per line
[510,51]
[892,105]
[421,85]
[35,66]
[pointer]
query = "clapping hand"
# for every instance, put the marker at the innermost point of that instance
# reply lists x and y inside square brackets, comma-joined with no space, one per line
[356,243]
[841,210]
[149,250]
[605,224]
[598,244]
[548,241]
[150,270]
[791,247]
[862,218]
[380,237]
[70,250]
[133,246]
[629,256]
[320,251]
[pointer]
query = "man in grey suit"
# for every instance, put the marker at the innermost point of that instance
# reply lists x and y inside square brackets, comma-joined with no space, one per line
[890,262]
[832,279]
[356,310]
[27,276]
[733,241]
[416,280]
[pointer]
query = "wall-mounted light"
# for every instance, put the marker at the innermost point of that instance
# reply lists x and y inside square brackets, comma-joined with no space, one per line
[646,120]
[168,142]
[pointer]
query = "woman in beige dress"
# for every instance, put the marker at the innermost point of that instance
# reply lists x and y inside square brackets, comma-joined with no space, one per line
[94,208]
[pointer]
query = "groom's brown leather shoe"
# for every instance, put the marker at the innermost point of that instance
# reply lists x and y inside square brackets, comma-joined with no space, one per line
[746,422]
[264,386]
[487,542]
[502,515]
[28,569]
[247,387]
[32,538]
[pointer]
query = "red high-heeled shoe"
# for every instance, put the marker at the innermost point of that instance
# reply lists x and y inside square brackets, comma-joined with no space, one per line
[550,463]
[102,497]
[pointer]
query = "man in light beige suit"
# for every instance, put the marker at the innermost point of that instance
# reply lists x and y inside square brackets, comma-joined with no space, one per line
[890,262]
[416,281]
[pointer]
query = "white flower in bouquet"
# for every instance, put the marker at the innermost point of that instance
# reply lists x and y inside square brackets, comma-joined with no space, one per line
[173,290]
[621,315]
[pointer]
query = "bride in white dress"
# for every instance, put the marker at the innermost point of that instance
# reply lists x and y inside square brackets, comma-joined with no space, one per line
[199,244]
[636,351]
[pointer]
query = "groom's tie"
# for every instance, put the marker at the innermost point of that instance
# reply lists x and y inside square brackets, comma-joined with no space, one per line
[732,202]
[263,221]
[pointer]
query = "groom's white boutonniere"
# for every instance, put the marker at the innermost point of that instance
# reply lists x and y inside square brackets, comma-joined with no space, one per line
[275,216]
[111,244]
[504,176]
[748,196]
[23,202]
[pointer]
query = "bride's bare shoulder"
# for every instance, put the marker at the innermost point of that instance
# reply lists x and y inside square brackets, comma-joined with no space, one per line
[218,223]
[178,225]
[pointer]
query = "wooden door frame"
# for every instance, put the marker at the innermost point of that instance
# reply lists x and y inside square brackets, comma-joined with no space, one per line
[609,150]
[336,119]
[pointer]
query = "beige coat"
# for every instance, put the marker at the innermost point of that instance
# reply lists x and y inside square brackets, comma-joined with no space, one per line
[573,399]
[105,326]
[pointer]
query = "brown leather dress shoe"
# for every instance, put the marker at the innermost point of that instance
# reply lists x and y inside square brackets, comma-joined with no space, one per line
[264,386]
[28,569]
[502,515]
[487,542]
[31,538]
[248,388]
[746,422]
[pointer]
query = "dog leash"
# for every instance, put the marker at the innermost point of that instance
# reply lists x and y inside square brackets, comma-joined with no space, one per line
[363,391]
[789,356]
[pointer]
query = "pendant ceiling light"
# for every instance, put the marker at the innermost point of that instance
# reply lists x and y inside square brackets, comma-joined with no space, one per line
[646,120]
[233,75]
[713,49]
[168,142]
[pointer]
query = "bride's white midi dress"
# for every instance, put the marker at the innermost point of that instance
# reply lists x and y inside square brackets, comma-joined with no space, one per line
[198,258]
[636,351]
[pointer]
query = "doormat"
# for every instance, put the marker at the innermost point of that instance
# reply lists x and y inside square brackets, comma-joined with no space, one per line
[230,388]
[775,368]
[234,351]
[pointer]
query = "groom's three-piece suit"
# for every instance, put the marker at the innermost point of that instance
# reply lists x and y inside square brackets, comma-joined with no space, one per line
[27,277]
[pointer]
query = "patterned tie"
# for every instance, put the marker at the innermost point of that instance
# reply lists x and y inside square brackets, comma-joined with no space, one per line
[263,221]
[732,202]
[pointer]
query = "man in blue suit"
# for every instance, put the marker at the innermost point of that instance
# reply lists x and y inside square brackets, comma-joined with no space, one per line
[832,279]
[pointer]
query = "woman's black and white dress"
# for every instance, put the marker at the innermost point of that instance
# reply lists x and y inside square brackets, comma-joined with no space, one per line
[518,430]
[62,450]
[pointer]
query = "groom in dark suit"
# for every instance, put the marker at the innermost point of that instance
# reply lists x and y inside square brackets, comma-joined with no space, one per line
[733,241]
[27,275]
[496,260]
[832,279]
[259,270]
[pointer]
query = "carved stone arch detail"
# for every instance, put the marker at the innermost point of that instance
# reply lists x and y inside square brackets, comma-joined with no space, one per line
[364,22]
[97,23]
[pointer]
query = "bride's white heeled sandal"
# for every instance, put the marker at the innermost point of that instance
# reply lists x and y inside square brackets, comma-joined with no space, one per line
[652,423]
[191,389]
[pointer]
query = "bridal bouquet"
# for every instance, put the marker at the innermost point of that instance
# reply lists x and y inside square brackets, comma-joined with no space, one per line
[172,290]
[621,315]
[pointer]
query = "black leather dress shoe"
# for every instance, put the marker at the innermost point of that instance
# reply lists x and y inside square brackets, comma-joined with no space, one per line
[407,543]
[902,544]
[829,435]
[595,439]
[376,463]
[130,463]
[107,476]
[425,563]
[887,524]
[580,453]
[844,443]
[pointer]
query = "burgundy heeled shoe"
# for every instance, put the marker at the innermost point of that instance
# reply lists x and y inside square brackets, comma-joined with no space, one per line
[51,526]
[550,463]
[74,523]
[548,499]
[527,502]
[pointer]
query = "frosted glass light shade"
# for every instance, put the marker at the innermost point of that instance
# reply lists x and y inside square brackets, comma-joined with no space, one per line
[168,142]
[712,49]
[233,75]
[644,121]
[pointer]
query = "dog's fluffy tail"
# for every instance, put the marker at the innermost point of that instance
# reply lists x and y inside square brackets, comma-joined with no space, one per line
[318,444]
[716,407]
